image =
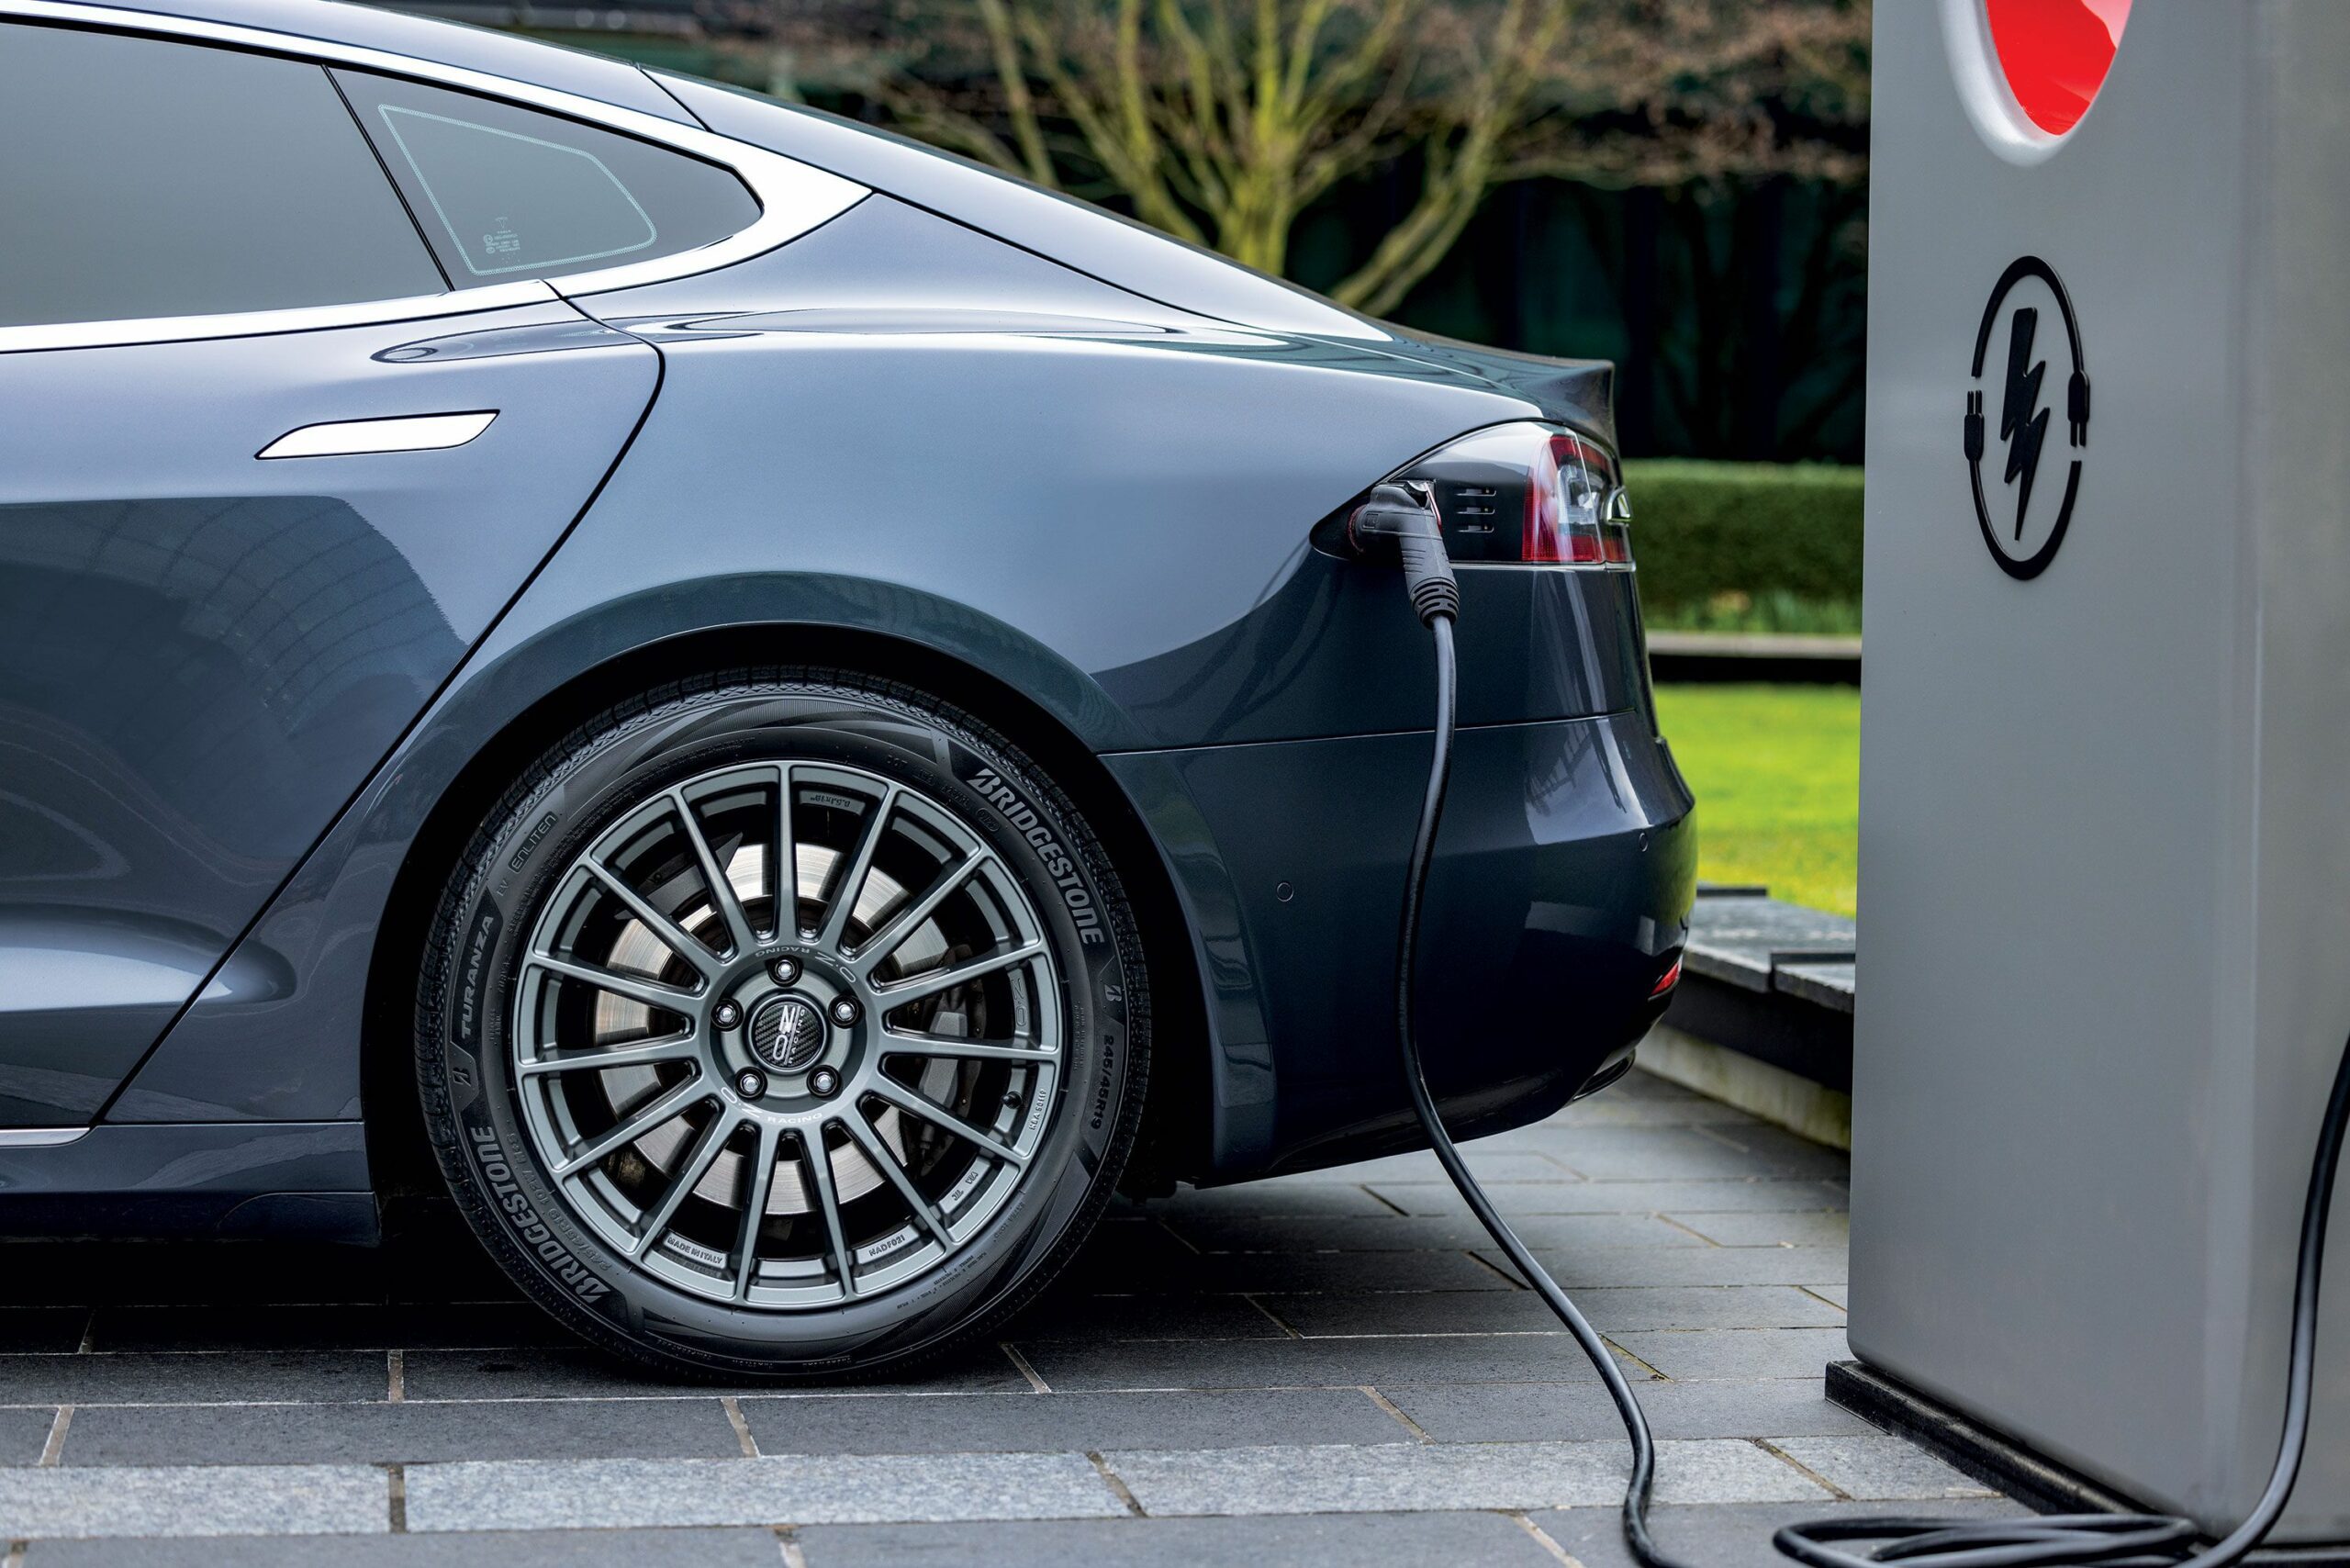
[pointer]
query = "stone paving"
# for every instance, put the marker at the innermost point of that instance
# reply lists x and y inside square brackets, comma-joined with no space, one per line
[1326,1368]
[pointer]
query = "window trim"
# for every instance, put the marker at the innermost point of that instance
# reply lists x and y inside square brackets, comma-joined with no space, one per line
[792,197]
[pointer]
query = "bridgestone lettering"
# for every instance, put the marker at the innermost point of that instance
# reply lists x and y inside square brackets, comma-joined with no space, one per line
[491,1161]
[1063,870]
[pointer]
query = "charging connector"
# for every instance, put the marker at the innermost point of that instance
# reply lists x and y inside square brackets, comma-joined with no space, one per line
[1401,524]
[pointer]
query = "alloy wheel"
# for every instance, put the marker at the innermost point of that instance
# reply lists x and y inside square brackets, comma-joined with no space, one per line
[787,1034]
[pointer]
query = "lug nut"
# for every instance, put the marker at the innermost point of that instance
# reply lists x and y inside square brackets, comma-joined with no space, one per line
[750,1084]
[726,1015]
[784,970]
[825,1081]
[846,1011]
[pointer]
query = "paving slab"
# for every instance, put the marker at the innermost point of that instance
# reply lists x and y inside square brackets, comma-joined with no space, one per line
[1281,1195]
[1741,939]
[1501,1412]
[1311,1363]
[1682,1154]
[1326,1540]
[1487,1163]
[1135,1237]
[1768,1229]
[1639,1085]
[1060,1315]
[24,1432]
[1599,1269]
[1610,1310]
[1874,1466]
[1329,1367]
[1218,1236]
[405,1433]
[1130,1254]
[590,1375]
[278,1499]
[1292,1480]
[1829,984]
[1607,1110]
[1676,1198]
[1588,1232]
[1071,1423]
[1777,1148]
[742,1548]
[1355,1270]
[192,1378]
[362,1326]
[1726,1535]
[1738,1353]
[625,1493]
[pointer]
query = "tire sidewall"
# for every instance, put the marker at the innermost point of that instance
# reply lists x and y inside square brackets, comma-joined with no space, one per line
[521,860]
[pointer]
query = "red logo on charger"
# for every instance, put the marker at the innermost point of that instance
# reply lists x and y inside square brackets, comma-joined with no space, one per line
[2056,53]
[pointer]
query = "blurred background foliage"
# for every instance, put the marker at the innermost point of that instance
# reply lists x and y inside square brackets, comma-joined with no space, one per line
[1748,547]
[1678,185]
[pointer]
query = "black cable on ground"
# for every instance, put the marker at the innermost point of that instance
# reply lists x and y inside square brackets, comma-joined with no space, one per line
[2104,1540]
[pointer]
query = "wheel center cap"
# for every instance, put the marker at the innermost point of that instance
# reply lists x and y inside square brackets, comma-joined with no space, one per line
[787,1033]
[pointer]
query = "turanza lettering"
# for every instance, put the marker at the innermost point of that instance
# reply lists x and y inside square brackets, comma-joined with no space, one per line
[1058,864]
[500,1174]
[477,949]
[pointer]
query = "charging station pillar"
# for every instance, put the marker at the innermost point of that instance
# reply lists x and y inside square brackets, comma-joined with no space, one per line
[2105,759]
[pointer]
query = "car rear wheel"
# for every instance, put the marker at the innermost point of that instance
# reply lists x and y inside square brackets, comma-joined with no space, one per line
[792,1023]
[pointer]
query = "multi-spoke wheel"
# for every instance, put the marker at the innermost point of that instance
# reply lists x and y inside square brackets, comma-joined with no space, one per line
[791,1022]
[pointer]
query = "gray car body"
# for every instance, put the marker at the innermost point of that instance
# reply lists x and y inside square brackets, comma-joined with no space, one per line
[968,432]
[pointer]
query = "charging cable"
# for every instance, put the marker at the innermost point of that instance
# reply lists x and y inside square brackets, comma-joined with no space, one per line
[1399,522]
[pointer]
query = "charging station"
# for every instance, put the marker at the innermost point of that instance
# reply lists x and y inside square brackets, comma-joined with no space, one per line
[2105,782]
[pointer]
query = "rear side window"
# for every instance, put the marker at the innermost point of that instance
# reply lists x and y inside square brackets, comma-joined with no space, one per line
[505,192]
[140,177]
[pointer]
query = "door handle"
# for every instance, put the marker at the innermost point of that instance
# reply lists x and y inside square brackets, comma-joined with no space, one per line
[400,432]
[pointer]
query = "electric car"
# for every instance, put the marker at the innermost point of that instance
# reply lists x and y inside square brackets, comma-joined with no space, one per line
[774,712]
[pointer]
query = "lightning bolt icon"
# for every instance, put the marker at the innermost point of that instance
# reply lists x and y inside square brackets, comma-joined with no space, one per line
[2023,423]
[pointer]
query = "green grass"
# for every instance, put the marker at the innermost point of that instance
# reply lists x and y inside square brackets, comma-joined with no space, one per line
[1777,774]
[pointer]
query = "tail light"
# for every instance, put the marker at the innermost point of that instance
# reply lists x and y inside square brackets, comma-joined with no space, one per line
[1529,494]
[1667,980]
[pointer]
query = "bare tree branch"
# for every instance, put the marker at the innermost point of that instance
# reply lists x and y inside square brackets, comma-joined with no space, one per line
[1003,44]
[1223,121]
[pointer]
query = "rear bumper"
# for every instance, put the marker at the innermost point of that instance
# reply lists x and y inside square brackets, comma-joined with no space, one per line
[1561,891]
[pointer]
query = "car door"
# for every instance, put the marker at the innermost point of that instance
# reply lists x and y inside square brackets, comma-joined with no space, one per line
[267,470]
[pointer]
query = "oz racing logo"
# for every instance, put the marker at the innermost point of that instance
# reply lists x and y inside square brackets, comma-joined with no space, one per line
[2030,316]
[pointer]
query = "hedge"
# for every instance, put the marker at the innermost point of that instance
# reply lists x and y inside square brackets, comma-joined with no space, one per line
[1700,529]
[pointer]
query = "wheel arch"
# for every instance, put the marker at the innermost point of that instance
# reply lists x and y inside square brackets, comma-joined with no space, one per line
[1175,1112]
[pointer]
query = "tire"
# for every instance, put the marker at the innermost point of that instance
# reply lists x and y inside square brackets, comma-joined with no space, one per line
[600,1095]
